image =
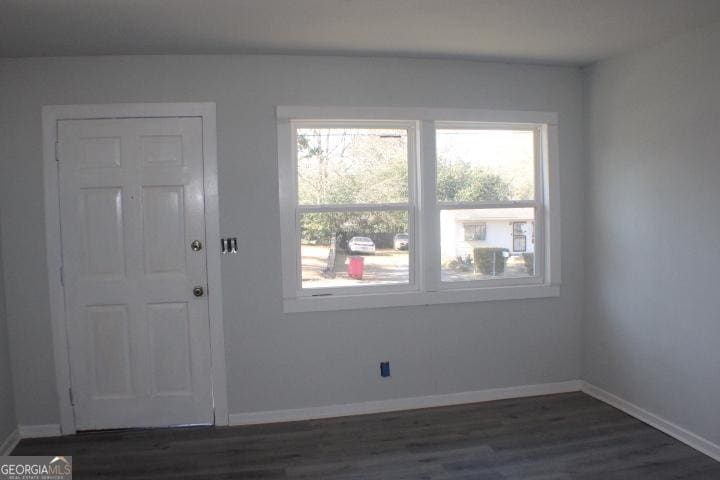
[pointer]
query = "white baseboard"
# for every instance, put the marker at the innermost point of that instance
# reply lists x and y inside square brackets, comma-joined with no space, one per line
[411,403]
[695,441]
[39,431]
[9,444]
[395,404]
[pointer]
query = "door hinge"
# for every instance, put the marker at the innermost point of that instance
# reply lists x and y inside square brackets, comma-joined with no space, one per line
[72,399]
[57,151]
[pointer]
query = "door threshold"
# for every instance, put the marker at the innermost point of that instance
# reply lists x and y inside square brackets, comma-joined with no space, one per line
[142,429]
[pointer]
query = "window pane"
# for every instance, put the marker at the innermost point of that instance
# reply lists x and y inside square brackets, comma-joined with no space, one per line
[354,248]
[352,165]
[475,231]
[487,243]
[485,165]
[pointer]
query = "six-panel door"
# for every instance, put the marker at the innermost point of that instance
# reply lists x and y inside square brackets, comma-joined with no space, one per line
[131,204]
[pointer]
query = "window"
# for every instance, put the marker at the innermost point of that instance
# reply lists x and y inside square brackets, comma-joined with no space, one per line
[518,228]
[487,173]
[353,198]
[385,207]
[475,231]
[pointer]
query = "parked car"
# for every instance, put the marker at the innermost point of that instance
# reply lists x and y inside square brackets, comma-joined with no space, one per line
[361,245]
[401,240]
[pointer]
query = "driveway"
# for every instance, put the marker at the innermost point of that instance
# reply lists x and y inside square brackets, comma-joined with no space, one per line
[387,266]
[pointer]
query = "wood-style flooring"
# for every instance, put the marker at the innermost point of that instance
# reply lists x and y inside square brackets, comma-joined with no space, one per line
[558,437]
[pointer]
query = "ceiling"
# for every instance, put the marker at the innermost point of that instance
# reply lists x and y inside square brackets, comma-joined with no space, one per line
[574,32]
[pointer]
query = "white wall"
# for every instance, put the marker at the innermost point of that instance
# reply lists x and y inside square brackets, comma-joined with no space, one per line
[279,361]
[652,322]
[7,405]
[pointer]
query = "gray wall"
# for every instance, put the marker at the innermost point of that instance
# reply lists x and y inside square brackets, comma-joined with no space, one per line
[7,406]
[652,322]
[279,361]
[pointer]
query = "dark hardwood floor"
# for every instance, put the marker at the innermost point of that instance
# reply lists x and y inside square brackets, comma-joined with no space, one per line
[568,436]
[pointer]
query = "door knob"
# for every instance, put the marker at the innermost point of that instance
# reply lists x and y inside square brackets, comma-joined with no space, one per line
[198,291]
[196,246]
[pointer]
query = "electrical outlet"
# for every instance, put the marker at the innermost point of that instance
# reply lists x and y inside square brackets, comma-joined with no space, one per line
[384,369]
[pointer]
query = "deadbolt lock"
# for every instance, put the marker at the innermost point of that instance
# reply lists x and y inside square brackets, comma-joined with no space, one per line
[198,291]
[196,246]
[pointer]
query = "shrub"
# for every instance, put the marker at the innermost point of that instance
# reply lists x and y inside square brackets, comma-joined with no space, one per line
[529,263]
[459,264]
[451,264]
[484,258]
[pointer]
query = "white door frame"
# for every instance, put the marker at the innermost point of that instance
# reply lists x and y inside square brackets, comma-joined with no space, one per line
[50,117]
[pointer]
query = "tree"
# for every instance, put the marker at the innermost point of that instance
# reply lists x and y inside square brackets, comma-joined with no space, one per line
[346,166]
[340,166]
[459,181]
[353,166]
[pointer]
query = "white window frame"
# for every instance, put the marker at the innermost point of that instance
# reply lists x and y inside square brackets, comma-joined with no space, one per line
[425,286]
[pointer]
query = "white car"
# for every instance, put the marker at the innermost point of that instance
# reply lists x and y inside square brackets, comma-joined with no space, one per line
[361,245]
[401,240]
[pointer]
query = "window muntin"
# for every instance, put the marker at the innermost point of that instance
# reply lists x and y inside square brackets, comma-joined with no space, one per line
[353,183]
[491,175]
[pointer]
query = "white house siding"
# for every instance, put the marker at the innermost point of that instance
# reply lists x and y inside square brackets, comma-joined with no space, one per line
[499,230]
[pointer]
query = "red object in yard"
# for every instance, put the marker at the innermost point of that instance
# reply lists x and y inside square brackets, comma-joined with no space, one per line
[356,266]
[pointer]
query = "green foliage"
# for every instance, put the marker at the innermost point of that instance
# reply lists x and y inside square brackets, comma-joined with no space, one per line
[459,181]
[321,227]
[459,264]
[351,166]
[483,259]
[339,166]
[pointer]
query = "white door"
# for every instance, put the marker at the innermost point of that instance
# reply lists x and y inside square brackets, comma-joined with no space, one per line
[131,205]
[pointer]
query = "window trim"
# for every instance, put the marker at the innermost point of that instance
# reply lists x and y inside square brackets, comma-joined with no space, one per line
[428,288]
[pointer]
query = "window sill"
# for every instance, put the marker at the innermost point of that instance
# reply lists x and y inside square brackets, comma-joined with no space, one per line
[403,299]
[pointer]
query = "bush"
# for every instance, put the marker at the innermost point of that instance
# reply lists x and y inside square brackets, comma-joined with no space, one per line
[529,263]
[483,258]
[459,264]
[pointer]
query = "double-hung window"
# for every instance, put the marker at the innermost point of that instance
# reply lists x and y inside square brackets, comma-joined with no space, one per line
[354,195]
[389,207]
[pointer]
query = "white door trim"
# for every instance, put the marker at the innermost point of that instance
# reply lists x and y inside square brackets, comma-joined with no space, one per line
[50,116]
